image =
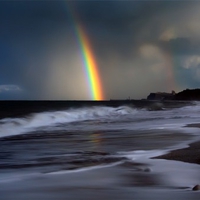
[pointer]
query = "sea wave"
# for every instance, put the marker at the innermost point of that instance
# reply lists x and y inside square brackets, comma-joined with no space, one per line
[14,126]
[102,114]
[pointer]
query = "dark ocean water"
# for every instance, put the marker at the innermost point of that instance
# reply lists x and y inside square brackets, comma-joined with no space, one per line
[78,149]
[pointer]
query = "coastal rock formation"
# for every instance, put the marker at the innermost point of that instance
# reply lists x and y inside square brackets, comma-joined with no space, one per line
[161,96]
[196,187]
[189,95]
[185,95]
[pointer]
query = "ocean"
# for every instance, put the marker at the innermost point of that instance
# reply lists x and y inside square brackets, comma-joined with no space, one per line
[97,150]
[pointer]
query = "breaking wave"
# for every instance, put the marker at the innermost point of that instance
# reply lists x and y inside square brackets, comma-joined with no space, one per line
[14,126]
[70,118]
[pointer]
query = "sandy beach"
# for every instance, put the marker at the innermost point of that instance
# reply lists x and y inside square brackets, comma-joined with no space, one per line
[117,182]
[101,153]
[140,178]
[190,154]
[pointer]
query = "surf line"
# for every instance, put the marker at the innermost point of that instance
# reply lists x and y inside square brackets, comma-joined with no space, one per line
[89,60]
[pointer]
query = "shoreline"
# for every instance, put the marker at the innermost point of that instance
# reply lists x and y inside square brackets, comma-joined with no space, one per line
[190,154]
[149,179]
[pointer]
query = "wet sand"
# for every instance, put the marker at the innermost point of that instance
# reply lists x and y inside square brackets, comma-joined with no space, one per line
[148,179]
[129,181]
[190,154]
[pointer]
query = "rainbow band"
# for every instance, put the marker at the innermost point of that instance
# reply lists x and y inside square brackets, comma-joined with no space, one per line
[90,65]
[89,61]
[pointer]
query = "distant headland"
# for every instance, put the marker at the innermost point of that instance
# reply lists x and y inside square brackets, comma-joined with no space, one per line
[185,95]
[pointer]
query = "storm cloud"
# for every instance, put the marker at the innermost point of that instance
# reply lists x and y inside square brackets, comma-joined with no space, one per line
[140,47]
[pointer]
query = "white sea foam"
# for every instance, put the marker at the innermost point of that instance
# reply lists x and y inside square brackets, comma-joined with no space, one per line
[15,126]
[142,155]
[85,168]
[123,117]
[172,173]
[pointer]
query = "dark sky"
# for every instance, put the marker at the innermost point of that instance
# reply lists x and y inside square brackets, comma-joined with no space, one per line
[140,47]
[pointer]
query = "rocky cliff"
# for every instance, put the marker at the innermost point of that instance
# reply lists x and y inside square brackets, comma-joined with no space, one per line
[188,95]
[161,96]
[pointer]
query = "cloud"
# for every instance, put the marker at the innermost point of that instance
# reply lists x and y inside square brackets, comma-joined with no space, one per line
[178,46]
[191,62]
[136,44]
[150,52]
[10,88]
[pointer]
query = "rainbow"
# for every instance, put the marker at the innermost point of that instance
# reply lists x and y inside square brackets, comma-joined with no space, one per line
[170,71]
[90,64]
[89,61]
